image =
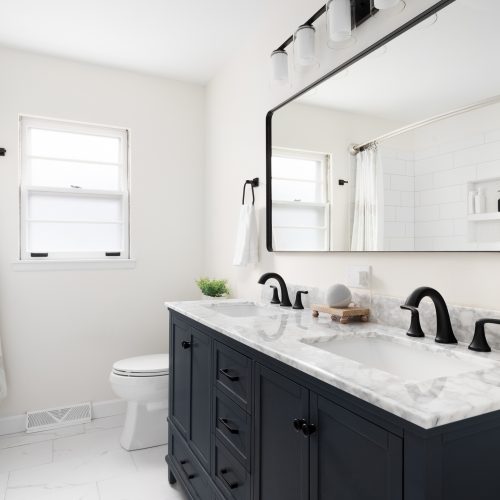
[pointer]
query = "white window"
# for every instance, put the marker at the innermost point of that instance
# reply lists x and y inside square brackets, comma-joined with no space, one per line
[74,191]
[301,208]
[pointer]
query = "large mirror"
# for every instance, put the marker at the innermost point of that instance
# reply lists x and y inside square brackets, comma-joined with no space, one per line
[398,152]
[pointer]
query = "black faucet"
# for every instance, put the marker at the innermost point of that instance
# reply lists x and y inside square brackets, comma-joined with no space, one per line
[444,333]
[285,300]
[479,342]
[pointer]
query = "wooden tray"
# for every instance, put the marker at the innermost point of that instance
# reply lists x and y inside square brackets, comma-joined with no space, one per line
[343,315]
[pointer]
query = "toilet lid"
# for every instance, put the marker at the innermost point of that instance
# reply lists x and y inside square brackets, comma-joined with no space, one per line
[152,365]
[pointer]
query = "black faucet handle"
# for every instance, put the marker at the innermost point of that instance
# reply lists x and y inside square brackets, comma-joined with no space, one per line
[276,298]
[479,343]
[415,329]
[298,299]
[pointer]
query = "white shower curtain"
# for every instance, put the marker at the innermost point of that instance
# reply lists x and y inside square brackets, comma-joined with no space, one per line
[368,226]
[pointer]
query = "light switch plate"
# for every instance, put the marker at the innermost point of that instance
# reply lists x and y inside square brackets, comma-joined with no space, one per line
[359,277]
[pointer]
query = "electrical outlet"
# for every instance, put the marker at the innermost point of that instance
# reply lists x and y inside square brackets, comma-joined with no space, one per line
[359,276]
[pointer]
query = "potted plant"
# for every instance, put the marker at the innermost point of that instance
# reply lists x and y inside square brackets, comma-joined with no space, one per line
[213,289]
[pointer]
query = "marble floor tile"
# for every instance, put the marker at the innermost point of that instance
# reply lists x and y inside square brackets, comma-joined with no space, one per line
[150,458]
[77,471]
[28,455]
[88,445]
[22,438]
[150,485]
[83,462]
[99,424]
[69,492]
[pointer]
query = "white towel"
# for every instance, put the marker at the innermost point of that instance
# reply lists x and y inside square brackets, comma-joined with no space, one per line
[247,239]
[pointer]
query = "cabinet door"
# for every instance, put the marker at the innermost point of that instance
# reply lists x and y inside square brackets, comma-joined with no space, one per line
[351,458]
[281,453]
[200,395]
[180,375]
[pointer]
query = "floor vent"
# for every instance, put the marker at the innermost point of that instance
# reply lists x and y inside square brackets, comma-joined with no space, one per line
[42,420]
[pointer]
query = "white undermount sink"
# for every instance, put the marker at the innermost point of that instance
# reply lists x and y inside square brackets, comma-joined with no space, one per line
[404,358]
[243,310]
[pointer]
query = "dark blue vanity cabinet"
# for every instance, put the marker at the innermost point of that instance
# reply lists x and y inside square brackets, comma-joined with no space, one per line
[243,426]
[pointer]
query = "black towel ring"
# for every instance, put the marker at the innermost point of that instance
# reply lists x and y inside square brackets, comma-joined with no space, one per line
[253,183]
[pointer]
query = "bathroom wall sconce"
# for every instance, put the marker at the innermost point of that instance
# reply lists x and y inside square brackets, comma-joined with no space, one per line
[304,45]
[385,4]
[338,21]
[341,17]
[279,66]
[3,151]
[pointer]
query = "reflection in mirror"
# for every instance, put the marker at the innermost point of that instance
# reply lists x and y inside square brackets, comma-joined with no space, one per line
[423,116]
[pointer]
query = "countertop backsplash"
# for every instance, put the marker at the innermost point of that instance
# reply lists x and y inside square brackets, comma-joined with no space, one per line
[386,310]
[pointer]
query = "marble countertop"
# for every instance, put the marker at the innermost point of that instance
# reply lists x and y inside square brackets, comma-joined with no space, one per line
[290,336]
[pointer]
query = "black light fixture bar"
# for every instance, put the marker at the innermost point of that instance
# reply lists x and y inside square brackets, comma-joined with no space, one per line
[363,10]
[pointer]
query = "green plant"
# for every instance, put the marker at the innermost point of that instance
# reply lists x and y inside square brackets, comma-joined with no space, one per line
[213,288]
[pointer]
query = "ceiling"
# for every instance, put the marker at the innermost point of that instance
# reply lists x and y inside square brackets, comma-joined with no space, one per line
[183,39]
[447,62]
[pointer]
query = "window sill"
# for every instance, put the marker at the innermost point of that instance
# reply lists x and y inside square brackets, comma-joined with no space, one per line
[73,265]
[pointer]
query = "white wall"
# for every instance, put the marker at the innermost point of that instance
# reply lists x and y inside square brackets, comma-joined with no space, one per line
[238,99]
[62,330]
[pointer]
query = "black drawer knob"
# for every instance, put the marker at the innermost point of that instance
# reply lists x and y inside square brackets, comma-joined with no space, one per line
[229,427]
[185,344]
[298,423]
[225,372]
[230,484]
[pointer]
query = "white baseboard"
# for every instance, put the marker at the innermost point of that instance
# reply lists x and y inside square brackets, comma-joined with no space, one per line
[100,409]
[12,425]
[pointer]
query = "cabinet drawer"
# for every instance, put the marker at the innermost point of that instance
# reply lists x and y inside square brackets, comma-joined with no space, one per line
[191,472]
[233,374]
[230,475]
[233,427]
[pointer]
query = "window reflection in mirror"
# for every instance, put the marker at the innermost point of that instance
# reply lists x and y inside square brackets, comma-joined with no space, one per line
[301,208]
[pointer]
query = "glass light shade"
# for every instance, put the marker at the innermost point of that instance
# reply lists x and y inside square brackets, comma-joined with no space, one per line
[385,4]
[339,20]
[279,66]
[304,46]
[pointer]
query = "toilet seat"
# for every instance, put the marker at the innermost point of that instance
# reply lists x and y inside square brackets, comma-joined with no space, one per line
[154,365]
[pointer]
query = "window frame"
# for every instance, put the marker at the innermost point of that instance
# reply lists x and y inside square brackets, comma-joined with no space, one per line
[27,122]
[325,160]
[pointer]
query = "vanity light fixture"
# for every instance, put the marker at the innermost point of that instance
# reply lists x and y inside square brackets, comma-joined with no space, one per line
[339,20]
[304,45]
[279,66]
[385,4]
[342,17]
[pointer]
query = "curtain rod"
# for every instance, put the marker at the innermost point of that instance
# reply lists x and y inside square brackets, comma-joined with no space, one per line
[408,128]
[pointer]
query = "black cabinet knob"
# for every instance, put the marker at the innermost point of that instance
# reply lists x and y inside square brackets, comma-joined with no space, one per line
[308,429]
[298,423]
[185,344]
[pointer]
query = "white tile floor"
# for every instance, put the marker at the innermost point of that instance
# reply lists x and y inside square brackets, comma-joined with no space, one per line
[83,462]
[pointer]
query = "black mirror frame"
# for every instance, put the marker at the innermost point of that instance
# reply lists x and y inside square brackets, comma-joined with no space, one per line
[269,145]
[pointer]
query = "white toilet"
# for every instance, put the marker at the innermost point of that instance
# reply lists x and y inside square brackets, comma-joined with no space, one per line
[143,383]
